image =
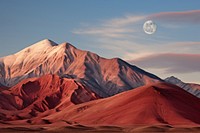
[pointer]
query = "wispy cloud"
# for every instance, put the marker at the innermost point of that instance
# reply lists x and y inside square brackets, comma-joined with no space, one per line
[105,32]
[124,21]
[113,28]
[170,62]
[184,17]
[160,48]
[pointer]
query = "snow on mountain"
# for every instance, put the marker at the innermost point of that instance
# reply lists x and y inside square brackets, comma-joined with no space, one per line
[106,77]
[191,88]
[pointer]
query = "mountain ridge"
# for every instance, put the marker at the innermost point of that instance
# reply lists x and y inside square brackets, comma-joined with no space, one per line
[104,76]
[34,96]
[190,87]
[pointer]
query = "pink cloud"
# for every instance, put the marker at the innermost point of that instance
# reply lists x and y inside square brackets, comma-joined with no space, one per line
[180,17]
[171,62]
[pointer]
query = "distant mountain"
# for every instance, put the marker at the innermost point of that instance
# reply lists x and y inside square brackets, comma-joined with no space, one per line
[191,88]
[105,77]
[159,103]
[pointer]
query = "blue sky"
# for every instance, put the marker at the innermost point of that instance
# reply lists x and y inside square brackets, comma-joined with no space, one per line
[111,28]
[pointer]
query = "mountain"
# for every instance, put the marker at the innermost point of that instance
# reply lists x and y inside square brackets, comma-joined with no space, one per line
[52,85]
[105,77]
[190,87]
[49,93]
[159,103]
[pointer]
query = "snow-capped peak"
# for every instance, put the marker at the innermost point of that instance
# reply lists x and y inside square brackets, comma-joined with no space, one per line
[46,57]
[46,43]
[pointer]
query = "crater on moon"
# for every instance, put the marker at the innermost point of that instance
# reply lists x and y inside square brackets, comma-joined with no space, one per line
[149,27]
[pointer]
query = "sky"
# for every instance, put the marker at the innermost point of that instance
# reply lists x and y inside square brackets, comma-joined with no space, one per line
[111,28]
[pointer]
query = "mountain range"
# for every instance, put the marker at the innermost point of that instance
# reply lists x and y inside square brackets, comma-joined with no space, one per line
[106,77]
[48,83]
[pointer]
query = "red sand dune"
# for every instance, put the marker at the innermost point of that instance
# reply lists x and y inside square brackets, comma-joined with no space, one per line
[160,103]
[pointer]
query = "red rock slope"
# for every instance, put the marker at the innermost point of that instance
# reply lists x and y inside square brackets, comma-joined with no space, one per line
[34,96]
[160,103]
[51,99]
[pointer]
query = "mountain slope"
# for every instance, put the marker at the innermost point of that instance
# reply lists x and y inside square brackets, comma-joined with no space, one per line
[159,103]
[49,93]
[191,88]
[105,77]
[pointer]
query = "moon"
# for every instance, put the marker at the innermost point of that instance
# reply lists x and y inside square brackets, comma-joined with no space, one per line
[149,27]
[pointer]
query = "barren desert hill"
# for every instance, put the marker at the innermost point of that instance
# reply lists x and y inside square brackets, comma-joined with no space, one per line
[106,77]
[159,103]
[51,99]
